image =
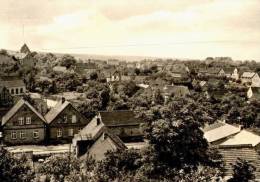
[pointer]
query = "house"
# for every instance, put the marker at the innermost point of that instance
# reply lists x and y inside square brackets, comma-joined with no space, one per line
[244,145]
[176,91]
[64,121]
[250,78]
[6,62]
[26,60]
[253,93]
[114,76]
[23,124]
[95,140]
[123,123]
[235,74]
[219,131]
[15,85]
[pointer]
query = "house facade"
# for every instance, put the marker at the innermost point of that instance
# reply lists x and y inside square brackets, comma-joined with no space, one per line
[123,123]
[64,121]
[22,124]
[250,78]
[15,85]
[95,140]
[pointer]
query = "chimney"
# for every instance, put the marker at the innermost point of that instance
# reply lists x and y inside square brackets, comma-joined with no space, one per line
[63,100]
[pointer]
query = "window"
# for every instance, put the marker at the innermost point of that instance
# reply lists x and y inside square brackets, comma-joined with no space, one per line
[22,134]
[98,121]
[70,132]
[17,91]
[28,120]
[59,133]
[21,121]
[36,134]
[21,90]
[65,119]
[13,135]
[74,119]
[12,91]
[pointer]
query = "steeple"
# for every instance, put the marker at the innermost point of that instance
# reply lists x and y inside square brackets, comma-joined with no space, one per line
[25,49]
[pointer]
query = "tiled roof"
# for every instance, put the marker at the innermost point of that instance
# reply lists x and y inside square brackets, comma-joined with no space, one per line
[119,118]
[230,156]
[248,74]
[219,131]
[16,107]
[9,82]
[55,111]
[93,131]
[243,138]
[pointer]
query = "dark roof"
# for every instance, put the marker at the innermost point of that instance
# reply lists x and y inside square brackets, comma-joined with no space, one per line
[231,154]
[12,81]
[256,92]
[119,118]
[229,70]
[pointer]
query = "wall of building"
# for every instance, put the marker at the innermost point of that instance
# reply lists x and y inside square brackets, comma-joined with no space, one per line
[28,129]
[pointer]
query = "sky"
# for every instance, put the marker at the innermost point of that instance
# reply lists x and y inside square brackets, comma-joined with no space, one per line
[166,28]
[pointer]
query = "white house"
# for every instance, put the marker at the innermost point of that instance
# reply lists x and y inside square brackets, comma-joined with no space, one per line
[251,78]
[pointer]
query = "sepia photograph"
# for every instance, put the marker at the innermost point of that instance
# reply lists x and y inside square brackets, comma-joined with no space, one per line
[129,91]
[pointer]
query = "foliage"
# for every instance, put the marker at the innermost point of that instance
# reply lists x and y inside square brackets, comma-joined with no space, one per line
[14,169]
[118,164]
[68,61]
[242,171]
[60,166]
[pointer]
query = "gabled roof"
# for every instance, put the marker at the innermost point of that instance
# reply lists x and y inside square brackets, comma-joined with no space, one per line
[219,130]
[248,74]
[16,107]
[25,49]
[56,110]
[12,81]
[177,90]
[92,131]
[119,118]
[243,138]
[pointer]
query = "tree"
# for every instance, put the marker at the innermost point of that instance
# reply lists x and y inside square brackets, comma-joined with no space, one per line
[59,167]
[242,171]
[118,165]
[14,169]
[93,76]
[68,61]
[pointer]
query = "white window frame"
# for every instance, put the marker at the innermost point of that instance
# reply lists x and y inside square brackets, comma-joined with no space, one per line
[13,135]
[59,133]
[74,119]
[22,135]
[36,134]
[21,120]
[70,132]
[28,120]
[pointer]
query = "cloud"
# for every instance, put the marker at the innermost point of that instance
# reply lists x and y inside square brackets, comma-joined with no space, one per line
[63,25]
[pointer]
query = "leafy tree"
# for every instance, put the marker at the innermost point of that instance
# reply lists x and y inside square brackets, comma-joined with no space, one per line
[242,171]
[68,61]
[14,169]
[59,167]
[93,76]
[158,98]
[118,165]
